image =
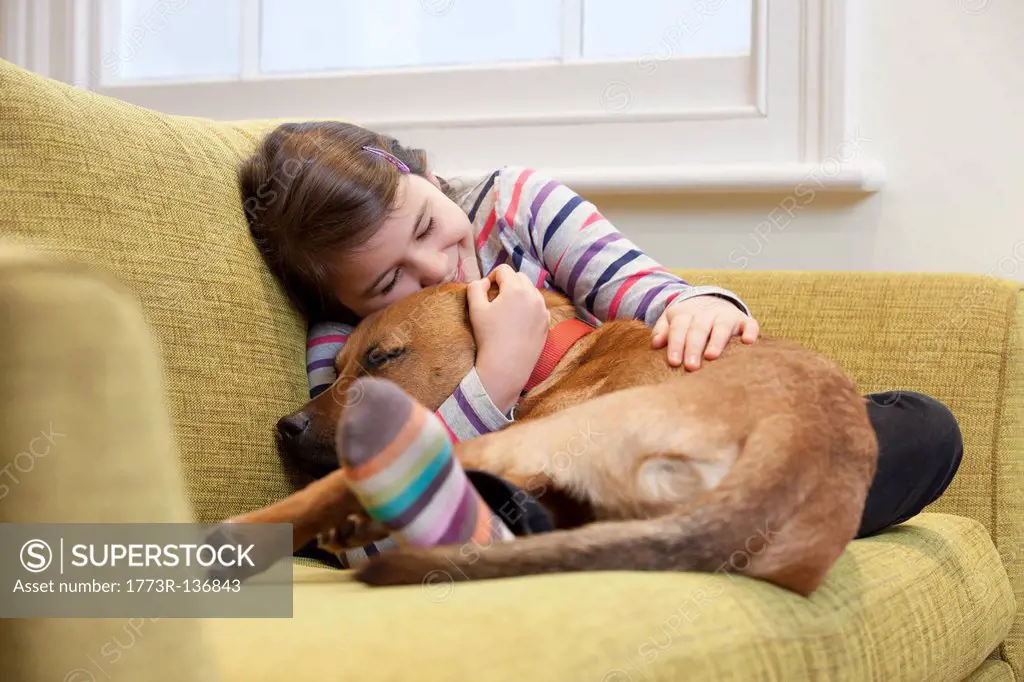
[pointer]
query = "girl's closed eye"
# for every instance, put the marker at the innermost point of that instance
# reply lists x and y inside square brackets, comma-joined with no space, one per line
[429,231]
[431,226]
[391,285]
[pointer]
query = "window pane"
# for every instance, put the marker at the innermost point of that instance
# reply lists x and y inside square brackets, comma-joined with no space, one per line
[174,38]
[665,28]
[358,34]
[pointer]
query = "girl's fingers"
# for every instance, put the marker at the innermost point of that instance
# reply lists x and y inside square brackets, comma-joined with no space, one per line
[696,341]
[677,339]
[721,331]
[660,332]
[476,293]
[750,329]
[502,274]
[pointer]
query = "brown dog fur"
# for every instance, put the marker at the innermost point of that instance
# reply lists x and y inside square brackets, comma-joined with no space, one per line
[758,463]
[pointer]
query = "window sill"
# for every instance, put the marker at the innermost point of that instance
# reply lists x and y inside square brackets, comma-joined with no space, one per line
[862,177]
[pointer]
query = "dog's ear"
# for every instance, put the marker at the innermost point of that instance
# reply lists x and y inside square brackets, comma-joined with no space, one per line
[493,292]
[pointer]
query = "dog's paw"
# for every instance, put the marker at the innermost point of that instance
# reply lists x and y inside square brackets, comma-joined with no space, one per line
[356,530]
[261,553]
[403,567]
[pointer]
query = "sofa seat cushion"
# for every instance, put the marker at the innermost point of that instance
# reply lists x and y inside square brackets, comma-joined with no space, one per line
[927,600]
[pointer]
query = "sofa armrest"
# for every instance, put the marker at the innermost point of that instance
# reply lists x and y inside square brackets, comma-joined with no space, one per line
[85,438]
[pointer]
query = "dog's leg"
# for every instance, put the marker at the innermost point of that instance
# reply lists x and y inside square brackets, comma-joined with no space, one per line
[324,504]
[634,452]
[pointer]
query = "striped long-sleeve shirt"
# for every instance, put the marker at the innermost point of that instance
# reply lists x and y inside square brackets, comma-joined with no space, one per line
[560,241]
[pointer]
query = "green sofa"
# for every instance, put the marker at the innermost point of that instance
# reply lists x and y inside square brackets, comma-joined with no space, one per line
[139,318]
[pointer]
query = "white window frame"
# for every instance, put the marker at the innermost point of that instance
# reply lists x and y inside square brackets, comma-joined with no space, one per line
[784,116]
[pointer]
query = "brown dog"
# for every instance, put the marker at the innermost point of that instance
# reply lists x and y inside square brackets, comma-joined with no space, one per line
[765,454]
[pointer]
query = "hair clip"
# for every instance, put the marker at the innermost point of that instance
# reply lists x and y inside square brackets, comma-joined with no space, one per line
[390,158]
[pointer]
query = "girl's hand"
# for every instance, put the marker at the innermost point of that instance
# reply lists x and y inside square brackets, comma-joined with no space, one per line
[701,326]
[510,333]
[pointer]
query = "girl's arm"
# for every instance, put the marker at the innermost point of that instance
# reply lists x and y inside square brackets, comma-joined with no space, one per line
[581,252]
[468,412]
[324,341]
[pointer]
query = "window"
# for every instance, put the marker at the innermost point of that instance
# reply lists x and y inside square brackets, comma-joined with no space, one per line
[607,94]
[149,40]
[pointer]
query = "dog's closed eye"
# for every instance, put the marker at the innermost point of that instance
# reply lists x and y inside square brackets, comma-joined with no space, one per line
[377,357]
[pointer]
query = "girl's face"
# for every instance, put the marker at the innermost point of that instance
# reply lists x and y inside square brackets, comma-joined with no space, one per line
[427,240]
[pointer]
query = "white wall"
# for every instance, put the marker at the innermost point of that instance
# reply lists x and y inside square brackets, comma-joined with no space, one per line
[942,100]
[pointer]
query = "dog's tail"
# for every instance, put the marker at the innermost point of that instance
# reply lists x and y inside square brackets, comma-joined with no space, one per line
[776,515]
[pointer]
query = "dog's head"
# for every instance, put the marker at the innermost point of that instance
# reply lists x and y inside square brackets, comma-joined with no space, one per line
[423,342]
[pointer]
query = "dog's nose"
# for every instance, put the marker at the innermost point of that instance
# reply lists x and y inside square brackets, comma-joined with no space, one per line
[293,425]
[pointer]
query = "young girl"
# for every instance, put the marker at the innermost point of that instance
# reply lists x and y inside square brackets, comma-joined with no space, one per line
[350,221]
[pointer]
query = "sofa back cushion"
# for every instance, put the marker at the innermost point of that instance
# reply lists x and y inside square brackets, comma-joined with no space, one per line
[154,199]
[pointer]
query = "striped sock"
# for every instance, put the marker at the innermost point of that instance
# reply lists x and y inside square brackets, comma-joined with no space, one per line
[400,466]
[351,558]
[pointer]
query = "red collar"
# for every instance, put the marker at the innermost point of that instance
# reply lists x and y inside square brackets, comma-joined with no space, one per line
[560,339]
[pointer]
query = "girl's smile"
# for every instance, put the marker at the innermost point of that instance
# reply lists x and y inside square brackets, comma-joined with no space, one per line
[460,272]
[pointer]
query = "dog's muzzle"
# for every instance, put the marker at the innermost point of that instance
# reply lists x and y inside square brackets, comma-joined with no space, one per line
[292,427]
[300,441]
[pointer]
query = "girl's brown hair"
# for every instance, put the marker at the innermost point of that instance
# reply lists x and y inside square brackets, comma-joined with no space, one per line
[311,191]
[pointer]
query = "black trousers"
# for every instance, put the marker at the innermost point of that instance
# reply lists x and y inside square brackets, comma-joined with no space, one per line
[920,448]
[919,452]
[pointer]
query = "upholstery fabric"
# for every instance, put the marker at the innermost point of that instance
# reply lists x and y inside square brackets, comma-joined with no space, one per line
[82,402]
[992,671]
[154,199]
[927,600]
